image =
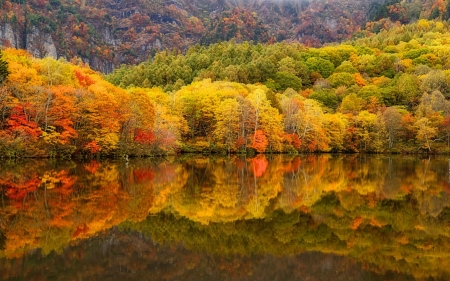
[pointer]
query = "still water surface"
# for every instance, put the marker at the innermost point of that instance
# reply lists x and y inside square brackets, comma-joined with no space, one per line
[320,217]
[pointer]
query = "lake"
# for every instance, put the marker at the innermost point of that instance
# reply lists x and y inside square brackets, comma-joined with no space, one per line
[307,217]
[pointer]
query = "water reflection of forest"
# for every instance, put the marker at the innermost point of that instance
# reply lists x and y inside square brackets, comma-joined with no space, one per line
[390,213]
[117,255]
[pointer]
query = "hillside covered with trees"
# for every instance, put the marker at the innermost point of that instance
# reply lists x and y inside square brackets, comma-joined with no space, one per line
[384,93]
[107,33]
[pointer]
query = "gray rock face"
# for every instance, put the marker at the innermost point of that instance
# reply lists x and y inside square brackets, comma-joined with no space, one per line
[108,37]
[41,44]
[7,36]
[103,66]
[157,44]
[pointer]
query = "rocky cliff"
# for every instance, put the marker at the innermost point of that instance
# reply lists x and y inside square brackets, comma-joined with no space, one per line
[107,33]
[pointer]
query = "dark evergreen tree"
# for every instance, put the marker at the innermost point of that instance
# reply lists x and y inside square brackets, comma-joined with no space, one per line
[4,72]
[434,14]
[446,14]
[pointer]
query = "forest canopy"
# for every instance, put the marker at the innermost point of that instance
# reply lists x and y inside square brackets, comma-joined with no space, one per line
[385,93]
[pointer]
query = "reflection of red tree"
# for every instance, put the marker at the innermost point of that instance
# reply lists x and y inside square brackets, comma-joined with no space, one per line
[356,223]
[292,166]
[81,229]
[92,166]
[240,164]
[65,182]
[407,187]
[143,175]
[167,173]
[259,165]
[17,191]
[445,187]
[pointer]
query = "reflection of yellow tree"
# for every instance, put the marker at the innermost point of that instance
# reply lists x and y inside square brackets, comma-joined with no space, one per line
[307,178]
[370,208]
[265,187]
[50,207]
[237,189]
[171,179]
[215,201]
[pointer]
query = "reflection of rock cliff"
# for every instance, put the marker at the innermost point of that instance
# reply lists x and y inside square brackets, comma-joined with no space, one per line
[393,215]
[119,256]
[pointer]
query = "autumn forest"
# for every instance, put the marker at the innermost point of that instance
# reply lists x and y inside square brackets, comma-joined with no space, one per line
[225,140]
[385,93]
